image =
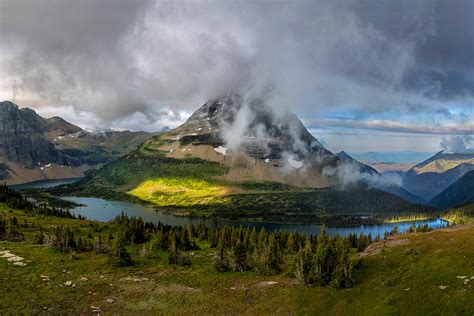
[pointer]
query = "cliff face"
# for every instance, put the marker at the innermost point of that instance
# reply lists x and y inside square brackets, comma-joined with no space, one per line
[29,144]
[21,138]
[259,132]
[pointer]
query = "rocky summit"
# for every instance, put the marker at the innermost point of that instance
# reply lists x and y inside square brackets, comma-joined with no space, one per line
[256,142]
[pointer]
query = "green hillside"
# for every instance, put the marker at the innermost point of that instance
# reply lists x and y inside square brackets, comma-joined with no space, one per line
[412,274]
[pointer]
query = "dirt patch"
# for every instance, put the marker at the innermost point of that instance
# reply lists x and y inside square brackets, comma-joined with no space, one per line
[178,288]
[266,283]
[376,248]
[455,228]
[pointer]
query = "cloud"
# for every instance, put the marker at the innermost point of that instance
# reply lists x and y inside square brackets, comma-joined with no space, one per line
[394,126]
[458,144]
[123,59]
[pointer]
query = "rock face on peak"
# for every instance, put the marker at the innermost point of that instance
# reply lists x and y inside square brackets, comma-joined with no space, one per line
[250,126]
[34,148]
[256,143]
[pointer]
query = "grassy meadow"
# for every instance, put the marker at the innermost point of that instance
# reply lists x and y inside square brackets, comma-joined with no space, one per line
[417,274]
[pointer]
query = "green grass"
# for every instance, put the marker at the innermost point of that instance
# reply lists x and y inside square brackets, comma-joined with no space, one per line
[404,280]
[443,165]
[180,192]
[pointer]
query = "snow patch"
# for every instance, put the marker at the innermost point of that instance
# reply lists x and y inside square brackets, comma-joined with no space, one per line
[221,150]
[294,163]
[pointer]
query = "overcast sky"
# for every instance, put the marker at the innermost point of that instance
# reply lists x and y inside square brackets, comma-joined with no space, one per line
[362,75]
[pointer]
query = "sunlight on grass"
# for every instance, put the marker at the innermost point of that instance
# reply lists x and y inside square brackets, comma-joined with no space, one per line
[409,218]
[444,165]
[179,192]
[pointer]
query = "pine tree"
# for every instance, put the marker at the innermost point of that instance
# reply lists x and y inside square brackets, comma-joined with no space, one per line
[342,275]
[262,238]
[174,252]
[303,263]
[39,240]
[268,258]
[222,263]
[324,258]
[291,244]
[252,240]
[240,257]
[119,255]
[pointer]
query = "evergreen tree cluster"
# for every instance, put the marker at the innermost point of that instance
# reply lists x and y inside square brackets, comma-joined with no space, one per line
[324,261]
[9,231]
[317,260]
[16,200]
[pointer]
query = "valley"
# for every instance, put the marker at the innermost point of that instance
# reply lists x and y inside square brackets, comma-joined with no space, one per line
[199,157]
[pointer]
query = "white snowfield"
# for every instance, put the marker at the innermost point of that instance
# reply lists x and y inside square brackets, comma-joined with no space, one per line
[294,163]
[221,150]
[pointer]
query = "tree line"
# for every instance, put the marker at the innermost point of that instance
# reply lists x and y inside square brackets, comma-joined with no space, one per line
[16,200]
[314,260]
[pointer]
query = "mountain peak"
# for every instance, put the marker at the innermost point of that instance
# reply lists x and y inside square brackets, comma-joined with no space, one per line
[343,155]
[252,126]
[8,104]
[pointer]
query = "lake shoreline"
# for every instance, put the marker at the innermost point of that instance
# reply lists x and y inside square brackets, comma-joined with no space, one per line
[105,210]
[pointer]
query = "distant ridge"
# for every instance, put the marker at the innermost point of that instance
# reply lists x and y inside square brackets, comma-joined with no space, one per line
[34,148]
[460,192]
[432,176]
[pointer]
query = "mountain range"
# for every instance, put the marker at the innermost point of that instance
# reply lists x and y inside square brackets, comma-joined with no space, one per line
[432,176]
[36,148]
[458,193]
[238,159]
[395,157]
[230,151]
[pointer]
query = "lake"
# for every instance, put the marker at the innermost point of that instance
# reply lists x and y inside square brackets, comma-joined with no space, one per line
[104,210]
[43,184]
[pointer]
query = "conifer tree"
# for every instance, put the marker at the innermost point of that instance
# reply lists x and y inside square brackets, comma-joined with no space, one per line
[174,251]
[302,264]
[342,275]
[291,244]
[39,240]
[240,257]
[119,255]
[222,263]
[252,240]
[324,258]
